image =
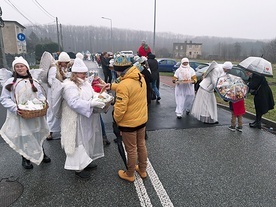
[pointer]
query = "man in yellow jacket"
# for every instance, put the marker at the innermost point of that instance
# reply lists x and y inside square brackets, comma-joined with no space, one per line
[131,115]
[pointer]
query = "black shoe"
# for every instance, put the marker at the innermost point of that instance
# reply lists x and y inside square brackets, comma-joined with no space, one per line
[211,122]
[83,174]
[50,137]
[106,142]
[187,112]
[158,98]
[27,163]
[252,123]
[115,140]
[256,125]
[179,117]
[91,166]
[46,159]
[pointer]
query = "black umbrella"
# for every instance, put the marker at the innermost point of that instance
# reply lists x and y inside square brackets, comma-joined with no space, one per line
[121,149]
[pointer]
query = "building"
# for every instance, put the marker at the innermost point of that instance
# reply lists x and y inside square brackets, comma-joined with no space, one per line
[187,49]
[12,44]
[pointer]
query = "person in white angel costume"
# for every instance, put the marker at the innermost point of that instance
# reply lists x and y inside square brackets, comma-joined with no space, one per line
[184,78]
[81,135]
[25,136]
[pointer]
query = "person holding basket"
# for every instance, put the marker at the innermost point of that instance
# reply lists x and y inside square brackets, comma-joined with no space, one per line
[184,78]
[25,127]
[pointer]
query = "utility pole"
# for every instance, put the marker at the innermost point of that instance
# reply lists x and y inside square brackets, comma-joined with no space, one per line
[61,37]
[111,36]
[58,35]
[3,61]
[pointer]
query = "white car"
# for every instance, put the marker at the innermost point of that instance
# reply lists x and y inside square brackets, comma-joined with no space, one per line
[128,53]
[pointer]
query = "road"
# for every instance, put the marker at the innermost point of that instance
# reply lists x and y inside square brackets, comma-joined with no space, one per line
[190,164]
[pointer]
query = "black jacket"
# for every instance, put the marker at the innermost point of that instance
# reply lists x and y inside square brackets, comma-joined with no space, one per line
[153,65]
[263,99]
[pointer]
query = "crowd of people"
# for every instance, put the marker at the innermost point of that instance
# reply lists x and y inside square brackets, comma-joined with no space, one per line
[76,104]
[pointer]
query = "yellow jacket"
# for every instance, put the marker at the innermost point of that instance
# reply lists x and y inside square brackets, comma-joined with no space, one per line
[130,109]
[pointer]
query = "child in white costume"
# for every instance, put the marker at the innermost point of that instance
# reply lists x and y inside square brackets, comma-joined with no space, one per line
[25,136]
[81,135]
[184,77]
[60,71]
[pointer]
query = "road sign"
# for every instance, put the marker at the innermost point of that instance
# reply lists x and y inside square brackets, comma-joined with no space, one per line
[21,37]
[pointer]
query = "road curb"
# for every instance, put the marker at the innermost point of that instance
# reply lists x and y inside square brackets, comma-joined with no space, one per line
[268,123]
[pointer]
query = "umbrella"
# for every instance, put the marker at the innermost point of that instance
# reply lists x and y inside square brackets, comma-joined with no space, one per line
[257,65]
[211,67]
[231,88]
[121,148]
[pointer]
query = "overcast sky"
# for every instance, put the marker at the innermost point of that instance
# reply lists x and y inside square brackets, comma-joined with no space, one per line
[249,19]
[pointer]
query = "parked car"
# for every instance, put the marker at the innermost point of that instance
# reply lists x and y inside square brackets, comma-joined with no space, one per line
[128,53]
[166,64]
[236,70]
[193,64]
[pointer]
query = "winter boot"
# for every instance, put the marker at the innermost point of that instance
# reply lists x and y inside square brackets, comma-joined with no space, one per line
[46,159]
[122,174]
[142,174]
[106,142]
[26,163]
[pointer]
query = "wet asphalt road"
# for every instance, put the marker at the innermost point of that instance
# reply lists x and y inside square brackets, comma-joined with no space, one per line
[191,164]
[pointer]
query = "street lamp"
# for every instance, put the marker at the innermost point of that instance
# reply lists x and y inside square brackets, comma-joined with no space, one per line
[154,26]
[111,39]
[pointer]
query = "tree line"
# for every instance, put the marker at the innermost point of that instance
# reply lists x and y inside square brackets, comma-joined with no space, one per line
[98,39]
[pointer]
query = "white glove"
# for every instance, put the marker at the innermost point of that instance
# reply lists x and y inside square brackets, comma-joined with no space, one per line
[97,103]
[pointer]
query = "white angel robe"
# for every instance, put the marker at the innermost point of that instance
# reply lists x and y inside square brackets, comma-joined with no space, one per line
[25,136]
[81,135]
[184,93]
[52,120]
[205,103]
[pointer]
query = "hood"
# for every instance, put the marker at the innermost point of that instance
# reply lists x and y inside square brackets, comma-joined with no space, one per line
[131,73]
[151,56]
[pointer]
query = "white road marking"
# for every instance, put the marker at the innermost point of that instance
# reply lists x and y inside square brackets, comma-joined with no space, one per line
[160,190]
[142,191]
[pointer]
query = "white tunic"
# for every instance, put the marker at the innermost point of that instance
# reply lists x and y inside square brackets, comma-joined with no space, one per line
[25,136]
[81,134]
[184,93]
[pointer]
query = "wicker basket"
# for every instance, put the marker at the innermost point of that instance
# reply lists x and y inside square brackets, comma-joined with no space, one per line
[29,114]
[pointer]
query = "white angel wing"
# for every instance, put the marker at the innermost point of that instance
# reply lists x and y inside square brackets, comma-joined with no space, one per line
[56,99]
[36,73]
[5,74]
[210,68]
[46,62]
